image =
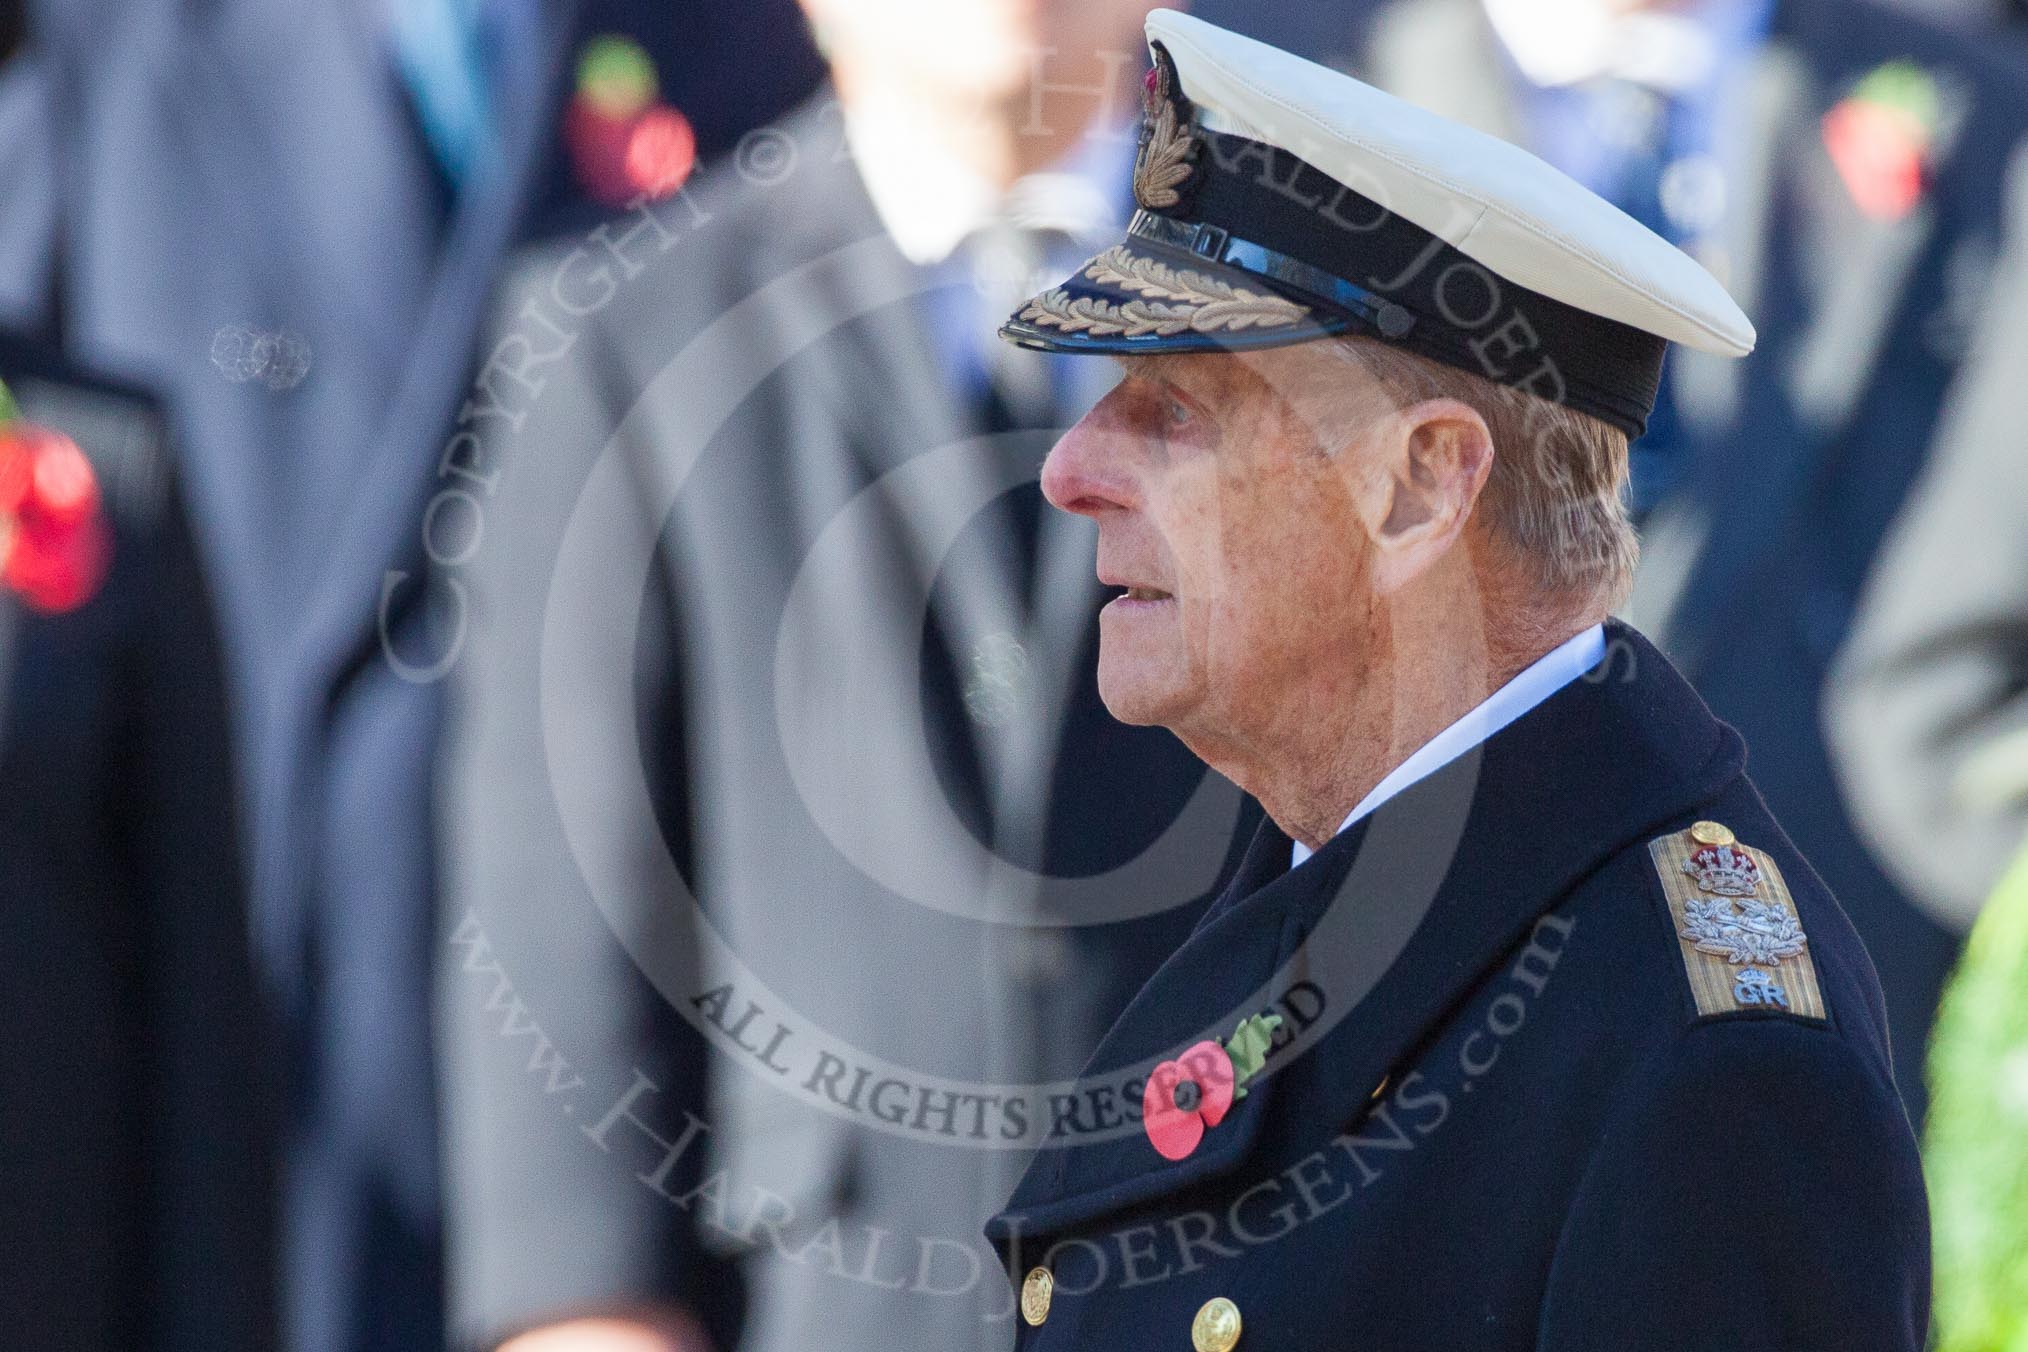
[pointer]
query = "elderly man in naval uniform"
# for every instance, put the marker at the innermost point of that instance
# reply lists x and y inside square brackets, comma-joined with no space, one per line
[1523,1026]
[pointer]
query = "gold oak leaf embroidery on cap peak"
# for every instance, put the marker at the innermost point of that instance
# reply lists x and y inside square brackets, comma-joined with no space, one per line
[1175,299]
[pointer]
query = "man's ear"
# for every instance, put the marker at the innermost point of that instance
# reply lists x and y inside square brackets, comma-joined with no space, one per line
[1426,466]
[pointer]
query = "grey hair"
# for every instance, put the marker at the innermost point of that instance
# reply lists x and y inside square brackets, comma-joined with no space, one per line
[1557,492]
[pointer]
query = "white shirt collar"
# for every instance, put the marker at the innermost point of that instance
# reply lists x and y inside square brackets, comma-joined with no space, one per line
[929,199]
[1547,675]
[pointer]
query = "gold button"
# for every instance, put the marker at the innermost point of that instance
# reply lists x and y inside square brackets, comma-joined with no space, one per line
[1711,833]
[1216,1327]
[1035,1294]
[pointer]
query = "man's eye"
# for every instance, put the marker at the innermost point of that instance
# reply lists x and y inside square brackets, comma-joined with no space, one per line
[1179,413]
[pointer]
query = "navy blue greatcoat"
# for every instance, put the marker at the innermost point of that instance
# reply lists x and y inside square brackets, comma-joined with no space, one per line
[1494,1116]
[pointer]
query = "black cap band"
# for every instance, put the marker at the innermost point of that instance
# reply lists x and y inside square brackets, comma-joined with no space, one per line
[1264,211]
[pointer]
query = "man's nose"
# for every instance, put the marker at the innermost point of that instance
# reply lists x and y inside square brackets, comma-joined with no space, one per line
[1085,472]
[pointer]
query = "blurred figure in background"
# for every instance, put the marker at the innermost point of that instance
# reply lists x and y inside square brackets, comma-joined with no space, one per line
[1833,162]
[136,1084]
[1927,712]
[854,711]
[287,217]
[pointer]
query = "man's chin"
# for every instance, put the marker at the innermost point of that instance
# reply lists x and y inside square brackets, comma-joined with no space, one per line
[1137,696]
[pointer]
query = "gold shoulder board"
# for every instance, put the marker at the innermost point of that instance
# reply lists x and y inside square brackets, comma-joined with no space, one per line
[1743,947]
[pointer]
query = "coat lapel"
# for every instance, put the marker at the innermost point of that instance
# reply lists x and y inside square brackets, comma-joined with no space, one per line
[376,531]
[895,397]
[1395,920]
[890,393]
[1232,957]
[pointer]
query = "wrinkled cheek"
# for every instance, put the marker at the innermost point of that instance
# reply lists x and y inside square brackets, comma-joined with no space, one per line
[1204,557]
[1221,631]
[1221,645]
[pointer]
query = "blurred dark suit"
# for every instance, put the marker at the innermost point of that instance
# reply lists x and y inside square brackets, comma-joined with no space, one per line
[232,200]
[831,757]
[135,1098]
[1800,454]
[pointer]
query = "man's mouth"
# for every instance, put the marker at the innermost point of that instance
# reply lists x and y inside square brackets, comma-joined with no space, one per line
[1133,593]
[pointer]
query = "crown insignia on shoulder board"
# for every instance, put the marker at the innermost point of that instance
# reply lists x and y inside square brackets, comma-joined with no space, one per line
[1724,871]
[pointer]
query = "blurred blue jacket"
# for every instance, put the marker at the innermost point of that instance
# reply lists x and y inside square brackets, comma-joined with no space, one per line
[231,201]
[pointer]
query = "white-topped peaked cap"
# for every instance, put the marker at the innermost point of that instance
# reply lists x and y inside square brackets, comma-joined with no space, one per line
[1283,201]
[1498,204]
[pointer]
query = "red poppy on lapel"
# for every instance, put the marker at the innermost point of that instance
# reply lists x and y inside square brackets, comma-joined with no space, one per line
[625,143]
[1186,1096]
[1882,136]
[53,543]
